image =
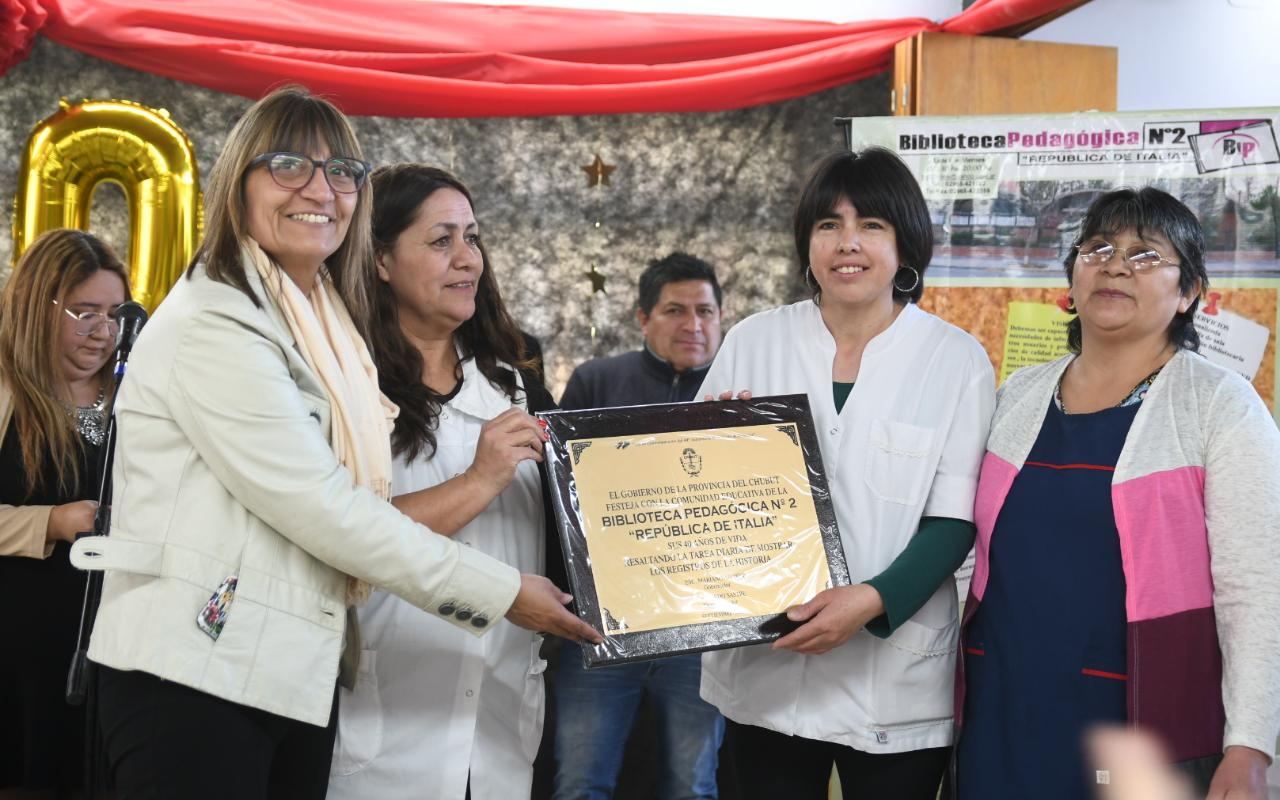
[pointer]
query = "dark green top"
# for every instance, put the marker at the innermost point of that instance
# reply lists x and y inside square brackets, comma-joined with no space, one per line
[841,393]
[937,550]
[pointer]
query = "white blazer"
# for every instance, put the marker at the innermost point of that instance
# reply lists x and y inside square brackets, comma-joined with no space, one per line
[224,468]
[908,443]
[431,704]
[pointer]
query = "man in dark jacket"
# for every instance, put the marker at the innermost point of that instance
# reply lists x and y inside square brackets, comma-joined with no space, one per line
[679,313]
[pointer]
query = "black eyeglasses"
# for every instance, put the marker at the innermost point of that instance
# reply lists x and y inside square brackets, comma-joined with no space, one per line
[345,175]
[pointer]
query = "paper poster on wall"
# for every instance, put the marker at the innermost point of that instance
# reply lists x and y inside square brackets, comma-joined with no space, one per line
[1007,193]
[1231,340]
[1034,334]
[1007,196]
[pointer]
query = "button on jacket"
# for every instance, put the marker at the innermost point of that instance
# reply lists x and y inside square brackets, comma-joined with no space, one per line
[433,705]
[908,443]
[223,469]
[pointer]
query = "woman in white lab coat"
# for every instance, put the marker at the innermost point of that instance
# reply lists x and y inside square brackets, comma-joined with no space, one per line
[437,714]
[902,402]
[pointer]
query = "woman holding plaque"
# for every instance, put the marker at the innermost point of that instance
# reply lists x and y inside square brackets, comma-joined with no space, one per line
[1129,536]
[57,336]
[252,483]
[901,401]
[441,714]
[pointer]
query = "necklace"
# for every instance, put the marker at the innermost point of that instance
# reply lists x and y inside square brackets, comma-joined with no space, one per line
[91,420]
[1135,395]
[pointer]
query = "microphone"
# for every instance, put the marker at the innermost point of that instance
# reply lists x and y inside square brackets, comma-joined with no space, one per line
[131,316]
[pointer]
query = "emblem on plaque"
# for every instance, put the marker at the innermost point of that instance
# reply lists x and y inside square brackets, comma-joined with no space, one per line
[691,462]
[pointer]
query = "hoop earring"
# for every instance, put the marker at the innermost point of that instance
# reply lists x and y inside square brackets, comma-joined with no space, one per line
[915,273]
[810,281]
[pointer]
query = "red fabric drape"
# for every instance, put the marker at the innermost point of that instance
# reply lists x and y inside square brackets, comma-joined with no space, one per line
[439,59]
[19,22]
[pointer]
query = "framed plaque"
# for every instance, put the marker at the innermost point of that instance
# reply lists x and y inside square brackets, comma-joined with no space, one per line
[691,526]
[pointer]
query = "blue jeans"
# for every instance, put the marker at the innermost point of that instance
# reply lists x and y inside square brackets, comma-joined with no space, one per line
[594,713]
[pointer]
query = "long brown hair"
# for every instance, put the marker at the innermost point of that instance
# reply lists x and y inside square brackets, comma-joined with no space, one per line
[50,269]
[490,336]
[288,119]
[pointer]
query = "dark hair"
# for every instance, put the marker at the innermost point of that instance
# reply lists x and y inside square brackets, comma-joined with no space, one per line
[878,184]
[289,118]
[490,336]
[1149,209]
[672,269]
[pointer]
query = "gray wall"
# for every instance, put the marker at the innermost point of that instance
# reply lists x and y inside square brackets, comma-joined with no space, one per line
[718,185]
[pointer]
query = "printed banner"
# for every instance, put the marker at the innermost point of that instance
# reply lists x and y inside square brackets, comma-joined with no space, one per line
[1007,195]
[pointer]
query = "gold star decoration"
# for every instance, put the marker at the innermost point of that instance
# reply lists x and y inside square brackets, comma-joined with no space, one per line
[597,279]
[598,172]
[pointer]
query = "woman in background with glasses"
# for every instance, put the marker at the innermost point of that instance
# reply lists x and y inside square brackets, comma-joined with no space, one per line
[252,482]
[57,336]
[1128,558]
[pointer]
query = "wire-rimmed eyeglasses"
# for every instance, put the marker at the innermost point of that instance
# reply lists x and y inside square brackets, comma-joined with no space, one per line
[1139,257]
[90,322]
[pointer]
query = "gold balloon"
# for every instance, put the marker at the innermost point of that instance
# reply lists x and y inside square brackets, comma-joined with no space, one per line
[138,148]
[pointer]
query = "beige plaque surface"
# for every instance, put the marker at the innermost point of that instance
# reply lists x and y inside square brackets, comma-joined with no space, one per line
[698,526]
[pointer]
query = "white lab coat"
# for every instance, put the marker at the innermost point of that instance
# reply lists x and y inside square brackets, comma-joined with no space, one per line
[908,443]
[433,704]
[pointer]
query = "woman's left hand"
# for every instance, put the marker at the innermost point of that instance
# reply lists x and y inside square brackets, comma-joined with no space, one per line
[831,618]
[1242,775]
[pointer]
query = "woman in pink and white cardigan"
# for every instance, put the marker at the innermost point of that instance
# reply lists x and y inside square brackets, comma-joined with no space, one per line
[1128,548]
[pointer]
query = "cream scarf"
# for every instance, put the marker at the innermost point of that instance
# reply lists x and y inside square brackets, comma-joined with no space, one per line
[361,415]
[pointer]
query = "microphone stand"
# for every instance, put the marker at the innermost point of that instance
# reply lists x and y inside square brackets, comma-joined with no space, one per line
[79,675]
[132,317]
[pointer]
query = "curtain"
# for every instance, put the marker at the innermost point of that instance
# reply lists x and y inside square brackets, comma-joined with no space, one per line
[437,59]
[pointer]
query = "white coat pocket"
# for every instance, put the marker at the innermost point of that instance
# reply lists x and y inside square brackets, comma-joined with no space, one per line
[920,655]
[359,720]
[898,461]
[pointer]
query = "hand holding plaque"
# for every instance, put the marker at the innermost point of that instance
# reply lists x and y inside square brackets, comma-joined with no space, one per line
[830,619]
[692,526]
